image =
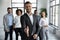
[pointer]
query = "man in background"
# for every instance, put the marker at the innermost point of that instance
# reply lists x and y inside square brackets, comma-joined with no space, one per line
[8,23]
[36,13]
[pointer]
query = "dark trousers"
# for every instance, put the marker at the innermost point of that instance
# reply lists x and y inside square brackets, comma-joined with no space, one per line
[41,34]
[28,38]
[31,38]
[10,32]
[18,30]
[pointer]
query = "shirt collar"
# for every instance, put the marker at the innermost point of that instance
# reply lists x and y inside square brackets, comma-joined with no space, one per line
[29,14]
[10,14]
[18,16]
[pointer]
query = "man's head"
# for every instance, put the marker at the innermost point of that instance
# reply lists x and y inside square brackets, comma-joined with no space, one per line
[9,10]
[28,6]
[35,12]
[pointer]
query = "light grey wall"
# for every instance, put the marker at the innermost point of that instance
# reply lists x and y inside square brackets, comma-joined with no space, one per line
[41,4]
[3,6]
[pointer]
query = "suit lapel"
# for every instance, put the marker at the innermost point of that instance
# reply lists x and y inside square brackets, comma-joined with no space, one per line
[28,18]
[33,19]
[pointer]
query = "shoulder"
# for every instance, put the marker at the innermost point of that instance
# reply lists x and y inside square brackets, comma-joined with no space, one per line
[16,17]
[41,18]
[46,18]
[5,16]
[24,15]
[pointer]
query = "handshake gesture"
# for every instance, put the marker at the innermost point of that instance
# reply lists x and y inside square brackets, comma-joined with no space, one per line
[26,30]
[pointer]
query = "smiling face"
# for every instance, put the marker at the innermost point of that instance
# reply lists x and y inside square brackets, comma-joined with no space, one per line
[9,10]
[19,13]
[28,7]
[43,14]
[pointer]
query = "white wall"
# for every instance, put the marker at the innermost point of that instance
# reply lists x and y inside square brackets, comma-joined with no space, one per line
[41,4]
[3,6]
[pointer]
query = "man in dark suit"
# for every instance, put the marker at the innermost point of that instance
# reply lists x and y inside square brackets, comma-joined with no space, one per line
[41,31]
[29,23]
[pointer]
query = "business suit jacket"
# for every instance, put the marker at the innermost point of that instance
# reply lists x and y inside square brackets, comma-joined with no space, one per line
[33,28]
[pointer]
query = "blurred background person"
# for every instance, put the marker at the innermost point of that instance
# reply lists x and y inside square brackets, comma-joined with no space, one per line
[17,23]
[8,23]
[44,25]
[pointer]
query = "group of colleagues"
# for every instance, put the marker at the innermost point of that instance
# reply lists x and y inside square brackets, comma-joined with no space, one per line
[29,26]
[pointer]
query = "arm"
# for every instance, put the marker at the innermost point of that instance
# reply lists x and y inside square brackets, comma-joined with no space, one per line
[37,30]
[38,27]
[5,25]
[22,20]
[13,22]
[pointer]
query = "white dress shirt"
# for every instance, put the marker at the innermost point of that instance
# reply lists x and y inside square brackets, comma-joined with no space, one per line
[31,17]
[17,22]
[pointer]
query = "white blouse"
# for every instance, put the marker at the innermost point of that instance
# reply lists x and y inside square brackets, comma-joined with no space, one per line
[17,22]
[43,21]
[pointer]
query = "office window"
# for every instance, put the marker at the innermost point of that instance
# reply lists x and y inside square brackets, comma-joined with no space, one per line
[17,1]
[53,15]
[57,1]
[14,11]
[54,5]
[19,4]
[32,1]
[50,21]
[56,23]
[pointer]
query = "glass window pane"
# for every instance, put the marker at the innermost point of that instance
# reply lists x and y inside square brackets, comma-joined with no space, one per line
[14,11]
[52,3]
[32,1]
[51,16]
[17,5]
[54,15]
[54,8]
[57,1]
[33,5]
[51,11]
[33,10]
[17,0]
[57,9]
[56,23]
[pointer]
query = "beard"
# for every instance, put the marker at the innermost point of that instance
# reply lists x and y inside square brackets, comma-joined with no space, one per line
[28,11]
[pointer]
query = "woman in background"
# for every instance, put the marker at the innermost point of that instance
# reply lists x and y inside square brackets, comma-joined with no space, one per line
[44,25]
[17,24]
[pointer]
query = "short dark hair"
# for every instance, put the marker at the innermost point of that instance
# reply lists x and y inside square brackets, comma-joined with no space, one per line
[9,8]
[45,13]
[35,10]
[18,10]
[28,2]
